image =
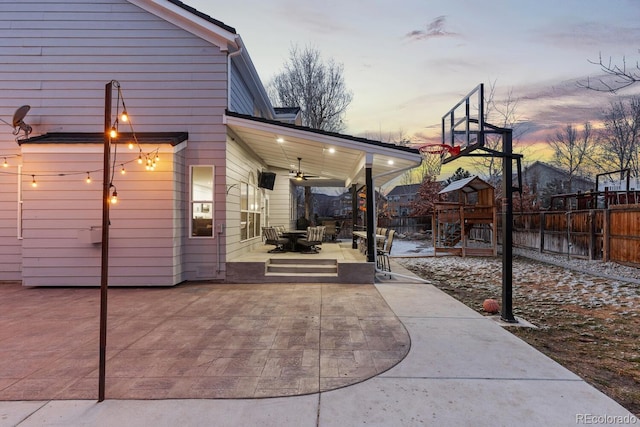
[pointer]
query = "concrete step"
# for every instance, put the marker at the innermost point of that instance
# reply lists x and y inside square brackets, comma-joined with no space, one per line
[308,260]
[302,267]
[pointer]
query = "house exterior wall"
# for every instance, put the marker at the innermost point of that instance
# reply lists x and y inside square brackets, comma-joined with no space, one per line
[57,249]
[10,241]
[240,98]
[242,166]
[57,57]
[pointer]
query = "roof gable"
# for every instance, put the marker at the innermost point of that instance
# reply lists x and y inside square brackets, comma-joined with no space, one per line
[467,185]
[402,190]
[191,20]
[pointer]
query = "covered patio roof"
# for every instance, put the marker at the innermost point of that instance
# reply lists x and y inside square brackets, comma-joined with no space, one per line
[336,160]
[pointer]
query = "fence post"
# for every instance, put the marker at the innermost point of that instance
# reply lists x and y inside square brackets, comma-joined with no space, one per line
[592,235]
[606,233]
[542,220]
[568,234]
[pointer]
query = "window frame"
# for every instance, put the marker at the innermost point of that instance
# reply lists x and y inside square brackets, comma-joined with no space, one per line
[251,216]
[207,204]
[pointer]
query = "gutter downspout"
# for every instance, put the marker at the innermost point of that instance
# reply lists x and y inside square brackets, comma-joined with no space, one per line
[375,224]
[222,227]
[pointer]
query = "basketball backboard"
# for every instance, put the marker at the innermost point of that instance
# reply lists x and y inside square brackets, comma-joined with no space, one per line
[463,125]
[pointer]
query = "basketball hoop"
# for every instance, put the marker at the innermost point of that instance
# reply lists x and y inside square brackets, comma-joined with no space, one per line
[434,154]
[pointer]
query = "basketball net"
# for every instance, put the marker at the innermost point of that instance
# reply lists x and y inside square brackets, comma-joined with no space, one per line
[434,154]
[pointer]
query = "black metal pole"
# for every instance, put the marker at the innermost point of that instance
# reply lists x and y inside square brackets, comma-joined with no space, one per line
[507,228]
[354,214]
[371,233]
[104,269]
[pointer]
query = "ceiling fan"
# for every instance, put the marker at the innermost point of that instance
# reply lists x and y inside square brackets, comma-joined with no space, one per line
[299,175]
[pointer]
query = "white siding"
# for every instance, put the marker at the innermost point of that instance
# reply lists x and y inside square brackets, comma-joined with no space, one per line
[240,163]
[241,99]
[57,57]
[279,199]
[61,208]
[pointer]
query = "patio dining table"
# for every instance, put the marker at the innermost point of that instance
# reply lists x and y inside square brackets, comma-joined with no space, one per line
[293,236]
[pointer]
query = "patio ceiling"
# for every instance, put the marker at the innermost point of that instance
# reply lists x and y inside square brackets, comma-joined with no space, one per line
[336,160]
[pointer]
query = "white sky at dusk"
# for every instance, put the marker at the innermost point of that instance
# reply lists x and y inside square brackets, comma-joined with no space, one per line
[408,61]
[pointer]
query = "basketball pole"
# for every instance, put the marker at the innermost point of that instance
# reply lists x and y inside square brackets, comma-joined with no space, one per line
[506,312]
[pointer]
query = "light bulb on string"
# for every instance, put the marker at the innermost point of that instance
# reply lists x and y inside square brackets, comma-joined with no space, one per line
[124,116]
[130,145]
[140,159]
[114,196]
[33,181]
[122,171]
[113,133]
[88,178]
[5,164]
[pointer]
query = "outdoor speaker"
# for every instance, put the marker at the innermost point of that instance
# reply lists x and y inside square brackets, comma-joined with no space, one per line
[267,180]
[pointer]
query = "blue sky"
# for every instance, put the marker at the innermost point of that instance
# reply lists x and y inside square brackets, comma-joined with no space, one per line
[408,61]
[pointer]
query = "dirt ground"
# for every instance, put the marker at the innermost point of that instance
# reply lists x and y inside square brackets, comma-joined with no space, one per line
[587,323]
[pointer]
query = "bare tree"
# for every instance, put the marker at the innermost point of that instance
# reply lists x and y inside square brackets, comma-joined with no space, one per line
[572,149]
[616,76]
[502,114]
[317,87]
[619,139]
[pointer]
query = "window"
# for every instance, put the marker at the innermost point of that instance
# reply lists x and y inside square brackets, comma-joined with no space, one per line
[250,209]
[202,201]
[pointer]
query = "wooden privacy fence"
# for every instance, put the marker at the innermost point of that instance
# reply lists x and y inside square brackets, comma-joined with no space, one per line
[597,234]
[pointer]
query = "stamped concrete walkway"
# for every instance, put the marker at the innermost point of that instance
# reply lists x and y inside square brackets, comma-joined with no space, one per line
[195,341]
[463,369]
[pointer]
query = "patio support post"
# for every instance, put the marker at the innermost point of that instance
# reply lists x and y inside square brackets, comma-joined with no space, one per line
[354,214]
[371,235]
[104,269]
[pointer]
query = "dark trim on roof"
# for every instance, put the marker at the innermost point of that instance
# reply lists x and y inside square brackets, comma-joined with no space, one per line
[203,15]
[286,110]
[322,132]
[173,138]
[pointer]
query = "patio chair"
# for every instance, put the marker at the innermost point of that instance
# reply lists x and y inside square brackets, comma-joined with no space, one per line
[313,240]
[383,254]
[271,237]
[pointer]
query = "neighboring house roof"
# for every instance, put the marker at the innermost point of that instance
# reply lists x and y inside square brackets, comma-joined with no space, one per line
[403,190]
[538,169]
[173,138]
[468,185]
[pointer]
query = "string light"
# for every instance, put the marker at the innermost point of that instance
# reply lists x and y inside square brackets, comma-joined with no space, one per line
[114,196]
[151,158]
